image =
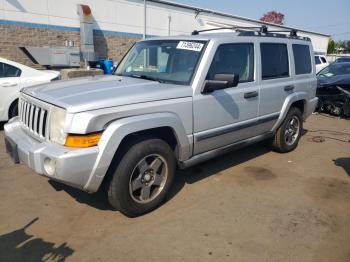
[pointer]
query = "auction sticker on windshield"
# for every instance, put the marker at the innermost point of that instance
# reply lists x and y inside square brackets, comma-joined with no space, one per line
[193,46]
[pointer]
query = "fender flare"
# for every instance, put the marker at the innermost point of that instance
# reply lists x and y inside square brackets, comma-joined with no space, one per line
[294,97]
[119,129]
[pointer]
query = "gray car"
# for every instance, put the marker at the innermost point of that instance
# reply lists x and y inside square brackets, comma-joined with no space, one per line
[172,102]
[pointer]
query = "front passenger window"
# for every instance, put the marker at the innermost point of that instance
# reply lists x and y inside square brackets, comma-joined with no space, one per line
[9,71]
[235,59]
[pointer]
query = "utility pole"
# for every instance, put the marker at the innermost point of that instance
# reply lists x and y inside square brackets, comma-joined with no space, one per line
[144,19]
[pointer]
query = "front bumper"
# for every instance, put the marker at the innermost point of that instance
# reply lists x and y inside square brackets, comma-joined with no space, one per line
[75,167]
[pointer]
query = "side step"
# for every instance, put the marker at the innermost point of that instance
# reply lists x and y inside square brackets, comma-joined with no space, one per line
[223,150]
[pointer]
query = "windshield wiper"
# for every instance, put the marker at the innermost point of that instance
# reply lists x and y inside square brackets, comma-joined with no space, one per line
[146,77]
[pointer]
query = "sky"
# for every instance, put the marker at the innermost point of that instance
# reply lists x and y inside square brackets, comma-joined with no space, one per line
[324,16]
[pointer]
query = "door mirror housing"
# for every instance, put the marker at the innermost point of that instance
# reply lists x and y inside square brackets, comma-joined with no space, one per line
[221,81]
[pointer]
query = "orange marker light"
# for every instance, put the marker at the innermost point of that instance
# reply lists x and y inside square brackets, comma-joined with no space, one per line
[83,140]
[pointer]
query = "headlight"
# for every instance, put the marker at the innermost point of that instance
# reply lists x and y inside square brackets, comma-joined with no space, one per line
[57,122]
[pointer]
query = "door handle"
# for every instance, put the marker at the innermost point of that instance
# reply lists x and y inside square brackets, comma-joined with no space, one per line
[289,88]
[250,94]
[8,85]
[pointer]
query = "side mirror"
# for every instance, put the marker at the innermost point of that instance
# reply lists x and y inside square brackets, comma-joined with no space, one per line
[221,81]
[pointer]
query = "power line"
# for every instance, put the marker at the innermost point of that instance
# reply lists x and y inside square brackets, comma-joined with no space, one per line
[345,33]
[339,24]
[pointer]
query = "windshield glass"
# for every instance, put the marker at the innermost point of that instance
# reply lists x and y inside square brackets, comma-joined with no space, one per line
[343,59]
[335,69]
[162,60]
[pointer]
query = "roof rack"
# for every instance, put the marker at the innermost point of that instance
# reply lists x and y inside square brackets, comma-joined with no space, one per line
[256,31]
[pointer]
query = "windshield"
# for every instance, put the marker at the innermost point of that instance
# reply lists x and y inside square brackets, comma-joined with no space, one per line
[343,59]
[172,61]
[335,69]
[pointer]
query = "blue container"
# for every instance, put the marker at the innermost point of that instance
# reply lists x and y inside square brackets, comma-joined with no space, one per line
[106,66]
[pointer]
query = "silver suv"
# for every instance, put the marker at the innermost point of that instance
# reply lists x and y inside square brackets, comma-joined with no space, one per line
[172,102]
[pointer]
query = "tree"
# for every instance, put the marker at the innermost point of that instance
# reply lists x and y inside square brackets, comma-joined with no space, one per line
[331,46]
[273,17]
[344,44]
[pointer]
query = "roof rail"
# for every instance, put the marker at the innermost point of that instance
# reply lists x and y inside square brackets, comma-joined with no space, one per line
[259,29]
[262,29]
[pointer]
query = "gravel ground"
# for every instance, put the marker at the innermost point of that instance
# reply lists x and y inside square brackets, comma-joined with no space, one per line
[249,205]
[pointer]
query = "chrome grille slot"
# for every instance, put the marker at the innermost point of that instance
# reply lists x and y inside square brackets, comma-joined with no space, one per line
[34,118]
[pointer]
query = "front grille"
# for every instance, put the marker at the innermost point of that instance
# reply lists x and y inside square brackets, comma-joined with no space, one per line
[33,117]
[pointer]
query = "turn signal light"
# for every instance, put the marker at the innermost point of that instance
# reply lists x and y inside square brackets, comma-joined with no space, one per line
[88,140]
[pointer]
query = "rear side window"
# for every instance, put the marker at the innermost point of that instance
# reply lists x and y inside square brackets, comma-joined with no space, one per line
[274,60]
[317,60]
[9,71]
[235,59]
[302,59]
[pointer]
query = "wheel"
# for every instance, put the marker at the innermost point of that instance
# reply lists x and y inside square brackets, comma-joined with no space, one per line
[142,178]
[13,111]
[288,134]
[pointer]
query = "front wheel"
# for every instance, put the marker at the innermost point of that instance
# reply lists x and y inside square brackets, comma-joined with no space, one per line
[13,110]
[288,134]
[143,177]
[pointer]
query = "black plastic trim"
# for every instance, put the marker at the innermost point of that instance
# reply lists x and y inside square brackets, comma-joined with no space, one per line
[230,129]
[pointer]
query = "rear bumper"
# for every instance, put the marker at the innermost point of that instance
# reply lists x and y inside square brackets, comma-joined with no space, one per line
[71,166]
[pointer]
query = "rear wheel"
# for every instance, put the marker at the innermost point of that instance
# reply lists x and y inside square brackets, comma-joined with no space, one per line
[288,134]
[143,177]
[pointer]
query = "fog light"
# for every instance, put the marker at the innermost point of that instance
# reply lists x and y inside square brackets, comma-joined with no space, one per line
[49,166]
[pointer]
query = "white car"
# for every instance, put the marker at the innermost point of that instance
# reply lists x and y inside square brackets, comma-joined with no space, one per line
[320,62]
[15,76]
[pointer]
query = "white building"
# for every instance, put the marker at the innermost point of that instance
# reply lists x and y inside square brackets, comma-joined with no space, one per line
[118,21]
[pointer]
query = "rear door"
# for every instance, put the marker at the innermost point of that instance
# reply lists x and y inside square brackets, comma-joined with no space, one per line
[226,116]
[276,81]
[305,78]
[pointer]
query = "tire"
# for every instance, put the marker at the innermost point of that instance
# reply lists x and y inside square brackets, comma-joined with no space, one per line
[13,111]
[146,169]
[288,134]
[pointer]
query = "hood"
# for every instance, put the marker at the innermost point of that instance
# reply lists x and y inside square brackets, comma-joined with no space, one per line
[83,94]
[339,80]
[52,73]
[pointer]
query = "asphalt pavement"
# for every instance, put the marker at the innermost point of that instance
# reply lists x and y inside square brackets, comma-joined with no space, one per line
[249,205]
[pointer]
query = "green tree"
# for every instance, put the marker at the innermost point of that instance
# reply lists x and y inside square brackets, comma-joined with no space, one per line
[346,45]
[331,46]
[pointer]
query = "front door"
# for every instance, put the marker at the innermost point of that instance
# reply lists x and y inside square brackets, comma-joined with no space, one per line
[9,87]
[226,116]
